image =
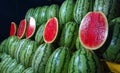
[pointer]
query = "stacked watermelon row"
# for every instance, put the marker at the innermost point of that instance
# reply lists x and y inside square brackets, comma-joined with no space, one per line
[57,33]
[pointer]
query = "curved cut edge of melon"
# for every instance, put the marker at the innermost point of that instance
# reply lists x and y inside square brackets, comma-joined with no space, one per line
[55,34]
[19,37]
[15,28]
[95,48]
[31,19]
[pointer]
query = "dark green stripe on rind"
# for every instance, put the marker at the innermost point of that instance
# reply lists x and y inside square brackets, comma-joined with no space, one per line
[58,61]
[112,53]
[28,70]
[69,35]
[40,57]
[84,61]
[66,12]
[18,69]
[82,7]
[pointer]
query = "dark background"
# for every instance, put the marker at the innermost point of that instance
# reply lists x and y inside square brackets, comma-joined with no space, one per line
[15,10]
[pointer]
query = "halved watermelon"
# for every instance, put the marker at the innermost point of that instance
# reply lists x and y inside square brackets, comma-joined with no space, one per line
[21,28]
[31,28]
[50,30]
[13,28]
[93,30]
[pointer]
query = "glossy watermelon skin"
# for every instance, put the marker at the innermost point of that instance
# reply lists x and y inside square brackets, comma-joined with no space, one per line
[112,52]
[52,11]
[58,61]
[69,35]
[39,34]
[84,61]
[66,12]
[107,7]
[28,70]
[42,18]
[29,14]
[82,7]
[40,57]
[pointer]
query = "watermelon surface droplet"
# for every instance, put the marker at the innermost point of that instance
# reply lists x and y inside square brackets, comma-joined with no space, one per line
[93,30]
[31,28]
[13,29]
[21,28]
[50,30]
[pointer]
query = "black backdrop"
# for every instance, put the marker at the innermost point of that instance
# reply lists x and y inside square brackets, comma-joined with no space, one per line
[15,10]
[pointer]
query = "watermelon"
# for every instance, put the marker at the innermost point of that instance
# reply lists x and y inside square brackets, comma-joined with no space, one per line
[107,7]
[22,28]
[93,30]
[39,34]
[42,18]
[58,61]
[28,70]
[40,57]
[82,7]
[52,11]
[29,14]
[112,52]
[66,12]
[69,35]
[84,61]
[31,28]
[78,44]
[18,69]
[50,30]
[13,29]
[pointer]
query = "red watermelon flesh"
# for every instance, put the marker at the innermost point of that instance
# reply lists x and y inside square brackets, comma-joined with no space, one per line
[93,30]
[50,30]
[12,29]
[31,28]
[21,28]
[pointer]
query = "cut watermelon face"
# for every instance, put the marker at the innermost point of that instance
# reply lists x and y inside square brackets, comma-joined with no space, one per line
[50,30]
[13,29]
[31,28]
[93,30]
[21,28]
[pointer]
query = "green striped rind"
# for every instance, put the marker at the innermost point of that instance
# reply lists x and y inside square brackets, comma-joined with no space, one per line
[40,57]
[18,69]
[112,53]
[78,44]
[42,18]
[84,61]
[58,61]
[53,11]
[66,12]
[28,70]
[11,65]
[82,7]
[108,7]
[4,56]
[39,34]
[3,45]
[69,35]
[27,52]
[29,14]
[36,12]
[13,48]
[22,43]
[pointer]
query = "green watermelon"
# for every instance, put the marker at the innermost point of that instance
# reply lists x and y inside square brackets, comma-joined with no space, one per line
[93,30]
[18,69]
[51,30]
[29,14]
[84,61]
[58,61]
[112,52]
[40,57]
[82,7]
[52,11]
[69,35]
[28,70]
[66,12]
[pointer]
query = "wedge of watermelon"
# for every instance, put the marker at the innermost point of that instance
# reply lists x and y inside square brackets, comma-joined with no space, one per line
[21,29]
[93,30]
[31,28]
[13,29]
[50,30]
